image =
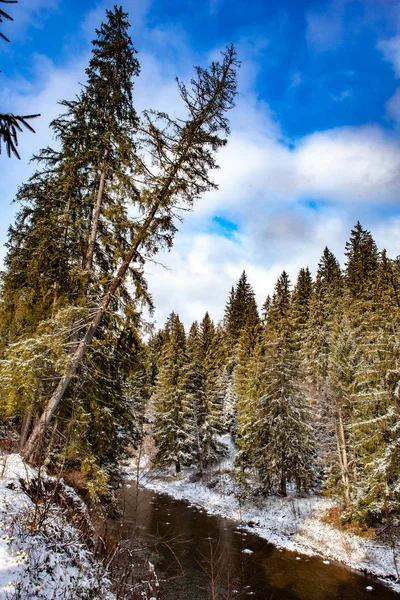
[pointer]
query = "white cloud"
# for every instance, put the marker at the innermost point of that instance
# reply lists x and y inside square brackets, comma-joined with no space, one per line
[202,268]
[262,185]
[296,79]
[346,165]
[265,180]
[391,51]
[387,235]
[350,165]
[393,106]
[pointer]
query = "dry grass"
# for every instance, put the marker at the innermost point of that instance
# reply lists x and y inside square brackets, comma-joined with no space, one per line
[77,480]
[334,516]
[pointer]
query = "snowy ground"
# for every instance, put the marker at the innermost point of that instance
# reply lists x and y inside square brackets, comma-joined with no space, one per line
[291,523]
[45,562]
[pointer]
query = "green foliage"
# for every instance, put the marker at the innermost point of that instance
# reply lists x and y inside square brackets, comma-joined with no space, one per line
[173,427]
[362,261]
[323,305]
[50,287]
[241,300]
[374,429]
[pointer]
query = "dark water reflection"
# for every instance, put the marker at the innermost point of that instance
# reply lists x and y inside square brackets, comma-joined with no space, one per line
[192,549]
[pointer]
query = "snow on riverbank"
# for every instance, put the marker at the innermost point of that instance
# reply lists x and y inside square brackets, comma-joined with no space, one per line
[42,556]
[291,523]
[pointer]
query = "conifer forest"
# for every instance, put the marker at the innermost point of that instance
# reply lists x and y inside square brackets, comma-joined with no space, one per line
[302,391]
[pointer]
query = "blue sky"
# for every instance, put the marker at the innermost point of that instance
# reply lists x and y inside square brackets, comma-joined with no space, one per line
[315,139]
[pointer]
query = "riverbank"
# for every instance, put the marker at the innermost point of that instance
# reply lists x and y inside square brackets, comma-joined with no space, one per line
[43,550]
[296,524]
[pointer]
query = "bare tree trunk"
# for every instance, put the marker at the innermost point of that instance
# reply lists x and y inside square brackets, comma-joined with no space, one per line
[97,211]
[26,425]
[343,459]
[84,286]
[197,434]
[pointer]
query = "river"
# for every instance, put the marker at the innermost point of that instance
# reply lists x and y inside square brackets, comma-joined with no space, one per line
[200,556]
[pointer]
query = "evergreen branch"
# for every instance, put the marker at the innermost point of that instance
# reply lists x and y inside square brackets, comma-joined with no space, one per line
[10,126]
[4,15]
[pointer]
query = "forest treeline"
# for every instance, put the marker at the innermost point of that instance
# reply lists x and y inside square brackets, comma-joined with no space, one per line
[308,388]
[102,201]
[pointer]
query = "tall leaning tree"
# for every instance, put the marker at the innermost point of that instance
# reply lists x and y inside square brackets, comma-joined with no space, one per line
[171,173]
[71,230]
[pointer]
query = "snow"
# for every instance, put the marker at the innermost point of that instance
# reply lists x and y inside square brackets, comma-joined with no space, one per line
[292,523]
[47,561]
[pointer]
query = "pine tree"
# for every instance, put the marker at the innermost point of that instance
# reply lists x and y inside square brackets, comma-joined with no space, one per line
[71,231]
[300,302]
[285,439]
[362,261]
[248,414]
[374,429]
[173,428]
[182,152]
[240,301]
[326,294]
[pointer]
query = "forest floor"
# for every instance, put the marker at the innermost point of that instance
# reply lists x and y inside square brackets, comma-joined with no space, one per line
[298,524]
[43,555]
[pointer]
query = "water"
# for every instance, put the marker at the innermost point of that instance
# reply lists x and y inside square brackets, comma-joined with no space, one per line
[198,555]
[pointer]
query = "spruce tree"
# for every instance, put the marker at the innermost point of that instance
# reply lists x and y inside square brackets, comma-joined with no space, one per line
[374,429]
[249,337]
[300,302]
[362,260]
[73,223]
[265,309]
[285,439]
[209,399]
[336,406]
[350,323]
[249,415]
[70,233]
[173,427]
[153,354]
[326,294]
[195,390]
[182,152]
[240,300]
